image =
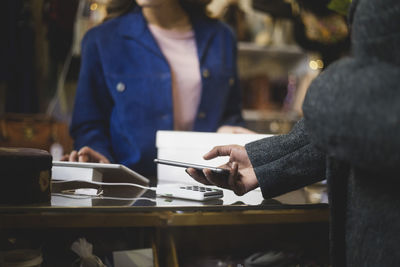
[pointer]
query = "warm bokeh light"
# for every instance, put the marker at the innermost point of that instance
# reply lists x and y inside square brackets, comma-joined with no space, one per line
[94,6]
[320,63]
[313,65]
[316,64]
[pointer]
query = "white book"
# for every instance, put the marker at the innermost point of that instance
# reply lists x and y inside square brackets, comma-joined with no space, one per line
[76,173]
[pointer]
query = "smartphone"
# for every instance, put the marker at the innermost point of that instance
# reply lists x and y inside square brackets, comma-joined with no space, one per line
[189,165]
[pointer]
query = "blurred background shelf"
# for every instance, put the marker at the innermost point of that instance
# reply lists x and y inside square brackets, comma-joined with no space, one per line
[272,122]
[276,8]
[290,50]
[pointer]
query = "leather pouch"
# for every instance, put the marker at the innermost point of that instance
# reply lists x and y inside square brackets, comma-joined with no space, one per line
[33,131]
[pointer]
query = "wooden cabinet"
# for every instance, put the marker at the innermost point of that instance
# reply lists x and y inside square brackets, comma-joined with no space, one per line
[178,236]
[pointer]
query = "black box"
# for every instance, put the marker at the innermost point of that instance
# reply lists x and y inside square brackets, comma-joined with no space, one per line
[25,176]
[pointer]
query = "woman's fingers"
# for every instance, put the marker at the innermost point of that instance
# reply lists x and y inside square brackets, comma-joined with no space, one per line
[73,156]
[65,157]
[86,154]
[83,157]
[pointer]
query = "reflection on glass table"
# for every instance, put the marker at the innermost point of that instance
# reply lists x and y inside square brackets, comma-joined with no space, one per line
[72,195]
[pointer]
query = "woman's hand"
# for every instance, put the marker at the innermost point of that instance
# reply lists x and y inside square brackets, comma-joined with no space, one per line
[241,178]
[85,154]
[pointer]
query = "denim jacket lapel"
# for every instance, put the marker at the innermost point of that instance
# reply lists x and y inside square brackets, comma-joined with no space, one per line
[134,26]
[204,32]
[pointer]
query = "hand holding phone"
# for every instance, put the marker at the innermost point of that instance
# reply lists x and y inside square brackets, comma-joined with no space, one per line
[241,178]
[189,165]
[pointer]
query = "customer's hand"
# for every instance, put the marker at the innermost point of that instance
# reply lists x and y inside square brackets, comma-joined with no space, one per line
[241,178]
[85,154]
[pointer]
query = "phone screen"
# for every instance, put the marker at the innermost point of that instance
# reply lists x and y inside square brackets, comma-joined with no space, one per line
[189,165]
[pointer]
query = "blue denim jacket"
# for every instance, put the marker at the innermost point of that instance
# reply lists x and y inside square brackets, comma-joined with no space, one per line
[124,92]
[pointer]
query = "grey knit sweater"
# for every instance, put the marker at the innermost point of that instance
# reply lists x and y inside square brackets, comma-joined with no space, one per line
[351,136]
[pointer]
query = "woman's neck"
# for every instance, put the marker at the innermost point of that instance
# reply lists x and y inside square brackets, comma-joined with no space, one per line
[167,16]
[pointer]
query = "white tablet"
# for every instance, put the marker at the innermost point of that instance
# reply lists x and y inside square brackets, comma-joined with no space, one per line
[100,172]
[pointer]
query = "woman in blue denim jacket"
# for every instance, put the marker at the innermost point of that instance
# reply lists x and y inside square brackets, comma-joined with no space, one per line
[124,92]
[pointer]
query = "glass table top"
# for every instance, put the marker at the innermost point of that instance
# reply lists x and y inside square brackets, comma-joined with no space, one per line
[122,198]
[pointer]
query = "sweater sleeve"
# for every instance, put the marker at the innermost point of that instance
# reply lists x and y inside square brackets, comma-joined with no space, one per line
[286,162]
[93,104]
[352,113]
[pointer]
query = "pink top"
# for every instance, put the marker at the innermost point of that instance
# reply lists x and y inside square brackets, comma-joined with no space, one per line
[181,53]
